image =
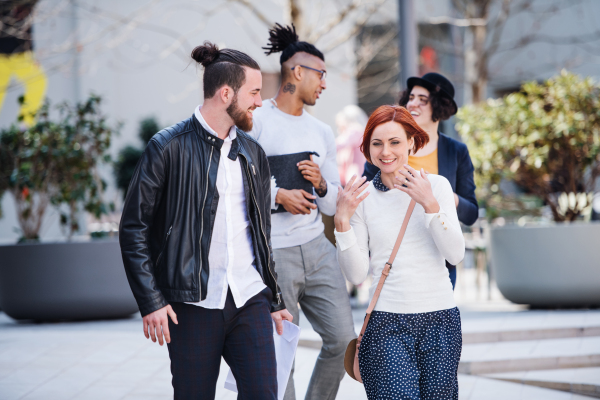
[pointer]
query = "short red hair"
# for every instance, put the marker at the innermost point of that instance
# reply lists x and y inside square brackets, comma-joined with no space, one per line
[397,114]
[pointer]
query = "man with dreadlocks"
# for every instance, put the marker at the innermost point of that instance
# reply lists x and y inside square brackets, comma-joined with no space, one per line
[305,261]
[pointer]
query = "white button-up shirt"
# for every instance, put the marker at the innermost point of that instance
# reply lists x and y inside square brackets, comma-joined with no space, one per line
[231,255]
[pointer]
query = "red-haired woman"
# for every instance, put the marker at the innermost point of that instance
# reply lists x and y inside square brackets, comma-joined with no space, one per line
[430,99]
[412,344]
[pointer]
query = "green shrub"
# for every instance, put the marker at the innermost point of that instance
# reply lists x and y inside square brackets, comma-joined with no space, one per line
[545,138]
[55,161]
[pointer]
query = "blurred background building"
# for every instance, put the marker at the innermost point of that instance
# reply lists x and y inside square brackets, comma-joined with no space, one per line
[135,55]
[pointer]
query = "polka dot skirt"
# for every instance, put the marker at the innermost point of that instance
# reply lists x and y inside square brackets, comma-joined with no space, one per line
[411,356]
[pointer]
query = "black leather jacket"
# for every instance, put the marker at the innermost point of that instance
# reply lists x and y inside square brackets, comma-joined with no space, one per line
[169,213]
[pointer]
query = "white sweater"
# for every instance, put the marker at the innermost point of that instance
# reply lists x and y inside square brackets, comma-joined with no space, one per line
[279,133]
[418,281]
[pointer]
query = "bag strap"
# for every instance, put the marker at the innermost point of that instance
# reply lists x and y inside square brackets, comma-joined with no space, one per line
[386,271]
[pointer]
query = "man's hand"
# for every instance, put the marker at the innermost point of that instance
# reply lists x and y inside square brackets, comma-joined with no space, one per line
[278,317]
[312,173]
[159,321]
[295,201]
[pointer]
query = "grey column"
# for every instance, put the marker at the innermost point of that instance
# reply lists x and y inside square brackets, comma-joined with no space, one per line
[408,41]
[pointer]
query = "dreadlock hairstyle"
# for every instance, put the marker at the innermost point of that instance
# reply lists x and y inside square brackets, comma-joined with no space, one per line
[222,67]
[284,39]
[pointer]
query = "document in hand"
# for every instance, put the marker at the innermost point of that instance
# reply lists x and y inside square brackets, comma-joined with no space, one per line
[285,351]
[285,173]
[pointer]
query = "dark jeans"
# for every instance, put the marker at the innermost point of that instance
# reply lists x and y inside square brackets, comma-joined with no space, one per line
[244,337]
[452,272]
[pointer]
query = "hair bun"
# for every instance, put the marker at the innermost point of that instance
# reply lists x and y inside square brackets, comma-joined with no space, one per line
[280,37]
[206,54]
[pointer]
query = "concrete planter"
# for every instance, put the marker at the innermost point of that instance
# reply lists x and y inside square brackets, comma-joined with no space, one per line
[556,265]
[64,281]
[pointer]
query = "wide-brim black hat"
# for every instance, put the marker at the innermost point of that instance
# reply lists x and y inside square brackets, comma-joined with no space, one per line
[435,83]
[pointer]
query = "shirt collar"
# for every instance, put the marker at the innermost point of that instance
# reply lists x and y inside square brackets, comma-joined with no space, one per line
[378,184]
[232,132]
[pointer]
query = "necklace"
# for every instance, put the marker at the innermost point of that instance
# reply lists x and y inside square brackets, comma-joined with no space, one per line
[274,102]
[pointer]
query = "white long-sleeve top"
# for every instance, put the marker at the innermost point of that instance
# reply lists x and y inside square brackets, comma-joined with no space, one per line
[280,133]
[418,281]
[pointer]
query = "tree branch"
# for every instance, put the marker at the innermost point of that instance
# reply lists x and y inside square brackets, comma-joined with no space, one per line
[462,22]
[498,28]
[359,24]
[561,40]
[341,16]
[261,17]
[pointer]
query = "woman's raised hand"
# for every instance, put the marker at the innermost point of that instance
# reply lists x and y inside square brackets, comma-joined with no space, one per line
[417,186]
[348,199]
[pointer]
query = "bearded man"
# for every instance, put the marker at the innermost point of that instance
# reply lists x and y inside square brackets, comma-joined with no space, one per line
[195,237]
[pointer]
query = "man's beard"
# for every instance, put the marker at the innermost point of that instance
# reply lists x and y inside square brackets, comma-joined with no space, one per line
[239,116]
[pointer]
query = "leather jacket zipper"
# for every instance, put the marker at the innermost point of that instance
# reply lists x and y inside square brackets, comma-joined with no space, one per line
[261,229]
[162,250]
[203,203]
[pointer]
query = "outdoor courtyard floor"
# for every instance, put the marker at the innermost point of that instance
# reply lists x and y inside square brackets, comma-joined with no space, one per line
[558,349]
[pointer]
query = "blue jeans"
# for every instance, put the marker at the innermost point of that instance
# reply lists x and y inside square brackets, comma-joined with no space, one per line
[452,272]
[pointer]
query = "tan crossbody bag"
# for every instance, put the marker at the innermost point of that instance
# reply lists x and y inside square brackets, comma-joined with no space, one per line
[351,357]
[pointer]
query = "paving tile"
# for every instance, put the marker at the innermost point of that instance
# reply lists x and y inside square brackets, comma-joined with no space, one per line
[104,392]
[480,388]
[589,376]
[28,378]
[67,383]
[531,349]
[527,319]
[13,391]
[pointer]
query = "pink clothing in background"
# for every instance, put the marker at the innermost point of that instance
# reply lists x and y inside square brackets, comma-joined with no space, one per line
[350,159]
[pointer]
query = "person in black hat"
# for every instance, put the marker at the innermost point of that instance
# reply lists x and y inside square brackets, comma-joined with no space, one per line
[430,99]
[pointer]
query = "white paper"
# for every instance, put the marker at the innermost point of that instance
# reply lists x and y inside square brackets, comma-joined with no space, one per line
[285,351]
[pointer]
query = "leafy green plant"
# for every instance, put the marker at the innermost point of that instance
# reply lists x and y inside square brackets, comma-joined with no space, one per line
[129,156]
[545,138]
[85,140]
[29,169]
[55,162]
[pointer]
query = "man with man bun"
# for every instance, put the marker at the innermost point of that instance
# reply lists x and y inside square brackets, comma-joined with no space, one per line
[195,238]
[305,260]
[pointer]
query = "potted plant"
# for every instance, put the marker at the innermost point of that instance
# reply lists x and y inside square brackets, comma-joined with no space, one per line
[55,162]
[544,139]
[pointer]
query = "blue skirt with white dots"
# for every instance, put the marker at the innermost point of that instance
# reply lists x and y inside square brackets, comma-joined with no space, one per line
[411,356]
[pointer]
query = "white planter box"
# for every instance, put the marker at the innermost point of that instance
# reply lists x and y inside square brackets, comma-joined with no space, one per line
[556,265]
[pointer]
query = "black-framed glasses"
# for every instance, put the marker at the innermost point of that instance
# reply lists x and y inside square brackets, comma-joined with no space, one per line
[322,71]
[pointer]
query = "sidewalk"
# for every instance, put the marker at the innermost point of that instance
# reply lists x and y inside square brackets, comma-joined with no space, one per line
[509,352]
[112,360]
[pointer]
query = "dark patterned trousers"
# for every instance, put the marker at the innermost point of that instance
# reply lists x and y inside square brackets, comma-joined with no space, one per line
[411,356]
[243,337]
